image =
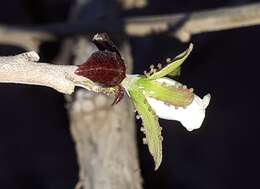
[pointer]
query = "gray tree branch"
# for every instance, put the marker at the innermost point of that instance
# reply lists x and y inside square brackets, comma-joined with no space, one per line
[131,4]
[104,135]
[29,40]
[182,25]
[187,24]
[25,69]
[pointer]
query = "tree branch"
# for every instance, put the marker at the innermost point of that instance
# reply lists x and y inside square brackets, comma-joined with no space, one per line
[131,4]
[104,135]
[29,40]
[185,25]
[182,25]
[24,69]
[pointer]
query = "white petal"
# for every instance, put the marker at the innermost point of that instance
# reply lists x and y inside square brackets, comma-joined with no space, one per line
[190,117]
[168,81]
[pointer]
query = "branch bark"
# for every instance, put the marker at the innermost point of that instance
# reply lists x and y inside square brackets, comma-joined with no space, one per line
[185,25]
[105,141]
[29,40]
[182,25]
[24,69]
[131,4]
[104,135]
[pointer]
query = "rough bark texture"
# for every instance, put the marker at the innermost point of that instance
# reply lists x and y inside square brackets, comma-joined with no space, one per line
[105,142]
[180,25]
[184,25]
[25,69]
[104,136]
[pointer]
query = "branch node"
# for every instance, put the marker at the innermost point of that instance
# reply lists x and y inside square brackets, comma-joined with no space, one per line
[30,56]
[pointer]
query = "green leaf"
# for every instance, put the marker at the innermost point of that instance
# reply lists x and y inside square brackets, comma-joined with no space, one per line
[175,73]
[173,65]
[175,95]
[151,125]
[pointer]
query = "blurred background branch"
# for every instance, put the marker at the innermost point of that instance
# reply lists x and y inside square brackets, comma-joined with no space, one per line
[182,26]
[131,4]
[29,40]
[104,135]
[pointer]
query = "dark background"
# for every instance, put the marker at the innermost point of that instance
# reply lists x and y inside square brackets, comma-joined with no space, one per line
[36,149]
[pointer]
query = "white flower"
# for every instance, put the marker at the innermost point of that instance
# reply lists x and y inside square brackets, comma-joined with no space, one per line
[155,95]
[191,117]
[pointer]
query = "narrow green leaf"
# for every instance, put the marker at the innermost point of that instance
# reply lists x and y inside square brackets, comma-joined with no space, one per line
[174,95]
[173,65]
[175,73]
[151,125]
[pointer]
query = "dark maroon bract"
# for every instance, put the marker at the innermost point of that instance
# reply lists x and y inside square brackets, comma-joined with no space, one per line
[105,66]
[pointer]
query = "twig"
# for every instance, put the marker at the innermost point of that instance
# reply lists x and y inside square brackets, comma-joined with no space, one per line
[24,69]
[187,24]
[182,25]
[131,4]
[29,40]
